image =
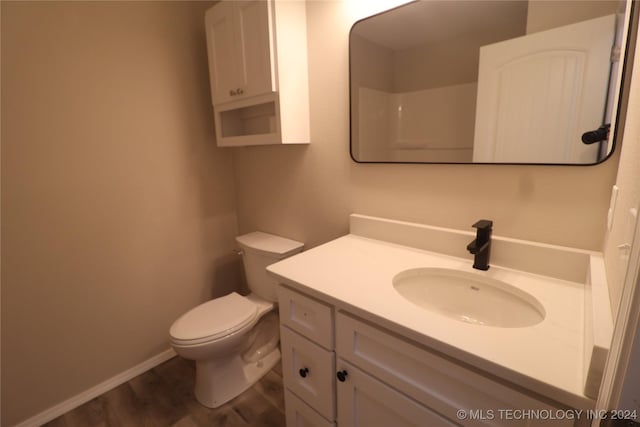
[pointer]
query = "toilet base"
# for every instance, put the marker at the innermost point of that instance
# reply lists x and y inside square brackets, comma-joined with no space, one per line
[219,381]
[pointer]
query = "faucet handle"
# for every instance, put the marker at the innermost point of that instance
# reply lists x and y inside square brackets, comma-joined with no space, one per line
[483,224]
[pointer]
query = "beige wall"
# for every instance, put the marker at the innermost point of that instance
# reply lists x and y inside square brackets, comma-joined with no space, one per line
[545,14]
[372,64]
[451,62]
[372,68]
[306,193]
[118,212]
[628,182]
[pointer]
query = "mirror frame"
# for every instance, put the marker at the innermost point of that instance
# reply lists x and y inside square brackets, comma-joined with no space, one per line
[620,110]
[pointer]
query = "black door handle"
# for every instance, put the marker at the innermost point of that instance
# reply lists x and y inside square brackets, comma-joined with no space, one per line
[593,136]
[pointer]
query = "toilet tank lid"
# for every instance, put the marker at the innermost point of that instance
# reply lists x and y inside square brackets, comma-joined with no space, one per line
[269,244]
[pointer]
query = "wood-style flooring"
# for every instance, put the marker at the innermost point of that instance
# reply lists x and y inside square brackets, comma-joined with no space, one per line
[163,397]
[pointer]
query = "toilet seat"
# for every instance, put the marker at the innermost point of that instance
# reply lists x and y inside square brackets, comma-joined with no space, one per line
[213,320]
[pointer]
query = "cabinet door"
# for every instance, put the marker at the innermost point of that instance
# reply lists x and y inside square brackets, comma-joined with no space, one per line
[366,402]
[241,58]
[257,59]
[299,414]
[435,381]
[222,47]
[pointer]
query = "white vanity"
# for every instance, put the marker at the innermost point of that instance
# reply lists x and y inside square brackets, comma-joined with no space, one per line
[356,351]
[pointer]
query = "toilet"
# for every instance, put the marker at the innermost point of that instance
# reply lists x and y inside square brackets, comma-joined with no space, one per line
[234,339]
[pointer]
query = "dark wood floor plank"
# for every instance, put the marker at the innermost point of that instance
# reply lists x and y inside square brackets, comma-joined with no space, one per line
[271,388]
[224,416]
[124,406]
[160,404]
[250,405]
[271,417]
[185,422]
[278,368]
[91,414]
[177,370]
[163,397]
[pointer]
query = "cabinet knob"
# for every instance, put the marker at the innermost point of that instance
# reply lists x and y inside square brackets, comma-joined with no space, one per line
[232,92]
[239,91]
[342,375]
[303,372]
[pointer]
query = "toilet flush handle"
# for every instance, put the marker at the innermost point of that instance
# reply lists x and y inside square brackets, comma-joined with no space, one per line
[303,372]
[238,252]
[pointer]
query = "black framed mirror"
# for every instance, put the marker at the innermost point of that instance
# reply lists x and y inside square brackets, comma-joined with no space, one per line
[490,81]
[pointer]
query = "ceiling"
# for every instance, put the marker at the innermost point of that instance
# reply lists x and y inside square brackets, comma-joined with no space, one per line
[426,22]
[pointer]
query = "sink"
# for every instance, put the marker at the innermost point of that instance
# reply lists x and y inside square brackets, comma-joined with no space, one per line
[469,297]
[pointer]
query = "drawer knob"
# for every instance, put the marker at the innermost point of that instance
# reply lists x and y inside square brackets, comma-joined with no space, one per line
[342,376]
[303,372]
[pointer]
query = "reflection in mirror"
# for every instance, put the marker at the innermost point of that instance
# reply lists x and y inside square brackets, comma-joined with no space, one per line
[486,81]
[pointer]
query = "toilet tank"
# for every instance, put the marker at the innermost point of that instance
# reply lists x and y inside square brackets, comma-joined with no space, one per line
[260,250]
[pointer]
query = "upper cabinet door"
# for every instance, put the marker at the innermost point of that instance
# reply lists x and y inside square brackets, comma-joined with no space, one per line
[240,53]
[223,52]
[258,56]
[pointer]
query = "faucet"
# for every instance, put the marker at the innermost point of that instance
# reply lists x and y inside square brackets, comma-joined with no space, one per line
[481,246]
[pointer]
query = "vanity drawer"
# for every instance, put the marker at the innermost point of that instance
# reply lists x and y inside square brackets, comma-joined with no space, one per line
[309,371]
[299,414]
[432,380]
[305,315]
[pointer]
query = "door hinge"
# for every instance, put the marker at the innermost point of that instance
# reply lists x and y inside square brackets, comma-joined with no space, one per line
[616,53]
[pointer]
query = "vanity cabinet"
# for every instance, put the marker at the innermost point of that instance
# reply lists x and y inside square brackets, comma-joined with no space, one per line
[308,359]
[258,72]
[375,377]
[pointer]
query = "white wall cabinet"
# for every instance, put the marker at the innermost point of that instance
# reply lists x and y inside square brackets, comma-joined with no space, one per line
[258,72]
[239,50]
[338,369]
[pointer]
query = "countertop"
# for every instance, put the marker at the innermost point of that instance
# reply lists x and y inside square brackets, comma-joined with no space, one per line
[355,274]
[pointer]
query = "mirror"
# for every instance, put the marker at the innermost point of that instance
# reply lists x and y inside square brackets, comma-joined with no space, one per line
[476,81]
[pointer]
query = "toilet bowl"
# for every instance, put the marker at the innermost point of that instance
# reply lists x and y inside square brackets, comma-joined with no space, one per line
[234,339]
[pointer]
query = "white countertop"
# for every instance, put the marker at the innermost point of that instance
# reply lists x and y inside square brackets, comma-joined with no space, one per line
[355,274]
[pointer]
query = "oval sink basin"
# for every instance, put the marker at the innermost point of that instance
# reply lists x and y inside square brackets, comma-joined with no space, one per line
[469,297]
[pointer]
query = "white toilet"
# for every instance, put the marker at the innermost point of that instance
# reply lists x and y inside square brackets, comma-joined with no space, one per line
[234,339]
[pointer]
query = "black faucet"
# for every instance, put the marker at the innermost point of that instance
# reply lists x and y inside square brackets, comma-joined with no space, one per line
[481,246]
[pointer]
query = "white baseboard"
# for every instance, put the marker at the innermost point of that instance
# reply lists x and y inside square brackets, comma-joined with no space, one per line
[93,392]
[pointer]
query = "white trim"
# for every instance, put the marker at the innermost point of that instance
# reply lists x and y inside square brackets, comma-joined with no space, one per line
[612,391]
[630,388]
[79,399]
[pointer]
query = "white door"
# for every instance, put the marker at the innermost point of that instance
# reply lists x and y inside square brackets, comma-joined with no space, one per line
[538,93]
